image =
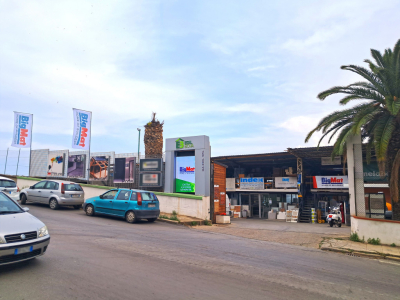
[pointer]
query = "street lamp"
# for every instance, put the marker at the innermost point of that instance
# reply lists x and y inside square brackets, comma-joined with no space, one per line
[138,148]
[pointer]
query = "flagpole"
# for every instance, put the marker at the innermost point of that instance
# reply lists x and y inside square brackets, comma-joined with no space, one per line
[5,166]
[19,153]
[30,149]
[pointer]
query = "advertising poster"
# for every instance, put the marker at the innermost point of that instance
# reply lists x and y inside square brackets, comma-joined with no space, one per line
[332,182]
[55,166]
[185,174]
[81,134]
[99,167]
[76,166]
[256,183]
[286,182]
[124,171]
[22,130]
[151,165]
[150,179]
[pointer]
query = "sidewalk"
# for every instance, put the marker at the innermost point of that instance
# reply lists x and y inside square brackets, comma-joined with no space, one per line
[299,234]
[361,249]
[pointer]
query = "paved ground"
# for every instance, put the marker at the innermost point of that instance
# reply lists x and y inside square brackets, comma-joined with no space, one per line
[106,258]
[301,234]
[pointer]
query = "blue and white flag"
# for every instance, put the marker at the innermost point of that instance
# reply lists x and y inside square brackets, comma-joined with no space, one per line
[22,136]
[81,135]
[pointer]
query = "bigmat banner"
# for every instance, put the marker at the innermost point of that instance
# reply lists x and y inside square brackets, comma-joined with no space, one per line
[185,174]
[332,182]
[81,135]
[22,136]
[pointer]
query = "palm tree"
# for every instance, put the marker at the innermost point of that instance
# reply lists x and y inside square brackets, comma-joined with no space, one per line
[377,118]
[153,138]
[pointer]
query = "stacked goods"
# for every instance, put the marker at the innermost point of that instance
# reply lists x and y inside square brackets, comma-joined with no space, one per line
[153,138]
[236,210]
[313,216]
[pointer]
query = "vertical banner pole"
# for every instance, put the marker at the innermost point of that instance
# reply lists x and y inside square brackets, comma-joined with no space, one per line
[30,150]
[90,142]
[138,148]
[5,166]
[19,153]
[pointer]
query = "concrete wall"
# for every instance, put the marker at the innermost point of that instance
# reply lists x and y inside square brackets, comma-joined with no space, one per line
[197,208]
[387,231]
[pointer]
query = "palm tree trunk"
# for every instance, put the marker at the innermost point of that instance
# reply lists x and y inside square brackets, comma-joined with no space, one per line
[393,167]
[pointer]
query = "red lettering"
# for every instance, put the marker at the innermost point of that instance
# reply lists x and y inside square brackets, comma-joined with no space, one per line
[24,132]
[82,144]
[83,132]
[22,141]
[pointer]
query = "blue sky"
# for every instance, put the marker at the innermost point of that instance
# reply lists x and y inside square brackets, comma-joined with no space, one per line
[246,73]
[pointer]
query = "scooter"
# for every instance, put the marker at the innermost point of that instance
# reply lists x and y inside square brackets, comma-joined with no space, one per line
[334,217]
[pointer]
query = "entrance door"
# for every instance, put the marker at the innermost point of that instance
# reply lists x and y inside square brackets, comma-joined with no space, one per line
[255,205]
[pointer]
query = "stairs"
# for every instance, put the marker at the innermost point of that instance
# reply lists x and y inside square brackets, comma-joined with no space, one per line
[305,216]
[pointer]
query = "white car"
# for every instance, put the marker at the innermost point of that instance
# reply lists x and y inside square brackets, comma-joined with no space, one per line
[9,187]
[22,236]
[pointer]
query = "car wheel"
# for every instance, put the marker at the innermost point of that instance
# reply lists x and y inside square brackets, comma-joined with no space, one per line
[23,199]
[89,210]
[152,220]
[130,217]
[53,204]
[77,206]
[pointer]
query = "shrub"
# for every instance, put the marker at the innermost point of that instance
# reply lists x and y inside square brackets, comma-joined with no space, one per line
[392,245]
[376,241]
[174,213]
[193,223]
[207,222]
[174,218]
[354,237]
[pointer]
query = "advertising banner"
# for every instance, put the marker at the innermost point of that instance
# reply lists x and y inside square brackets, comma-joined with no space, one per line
[99,167]
[124,170]
[22,136]
[55,166]
[150,179]
[331,182]
[76,166]
[285,182]
[151,165]
[328,161]
[81,134]
[185,174]
[256,183]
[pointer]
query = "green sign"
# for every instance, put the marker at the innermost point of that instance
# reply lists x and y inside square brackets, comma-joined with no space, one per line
[181,144]
[372,173]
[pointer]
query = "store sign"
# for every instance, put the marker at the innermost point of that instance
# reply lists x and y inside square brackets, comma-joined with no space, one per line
[285,182]
[372,173]
[22,130]
[332,182]
[327,161]
[185,174]
[256,183]
[150,179]
[151,165]
[182,144]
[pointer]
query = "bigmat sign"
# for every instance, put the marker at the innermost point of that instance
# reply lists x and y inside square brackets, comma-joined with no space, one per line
[185,174]
[332,182]
[22,136]
[81,135]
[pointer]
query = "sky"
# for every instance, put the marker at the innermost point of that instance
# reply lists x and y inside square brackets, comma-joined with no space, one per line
[245,73]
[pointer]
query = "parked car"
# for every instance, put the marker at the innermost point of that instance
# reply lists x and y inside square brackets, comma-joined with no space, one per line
[55,193]
[9,187]
[22,236]
[132,205]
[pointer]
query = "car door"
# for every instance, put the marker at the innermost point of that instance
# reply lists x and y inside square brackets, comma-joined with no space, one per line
[121,202]
[49,190]
[105,202]
[35,193]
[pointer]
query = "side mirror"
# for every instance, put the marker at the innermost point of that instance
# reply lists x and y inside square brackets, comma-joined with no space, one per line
[32,187]
[26,209]
[101,197]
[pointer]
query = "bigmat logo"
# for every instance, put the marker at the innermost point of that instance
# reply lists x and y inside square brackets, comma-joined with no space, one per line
[23,131]
[186,170]
[83,119]
[332,180]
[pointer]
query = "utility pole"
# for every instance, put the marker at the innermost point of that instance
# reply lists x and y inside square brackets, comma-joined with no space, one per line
[138,149]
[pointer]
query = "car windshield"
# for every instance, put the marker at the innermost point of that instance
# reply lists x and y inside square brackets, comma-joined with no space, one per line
[7,183]
[148,196]
[71,187]
[7,206]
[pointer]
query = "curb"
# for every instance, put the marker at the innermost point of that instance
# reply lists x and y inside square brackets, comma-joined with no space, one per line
[188,223]
[367,254]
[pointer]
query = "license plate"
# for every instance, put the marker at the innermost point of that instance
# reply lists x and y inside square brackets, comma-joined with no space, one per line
[329,219]
[152,205]
[23,250]
[75,196]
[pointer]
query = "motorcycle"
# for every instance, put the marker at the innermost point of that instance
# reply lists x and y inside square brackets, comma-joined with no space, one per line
[334,217]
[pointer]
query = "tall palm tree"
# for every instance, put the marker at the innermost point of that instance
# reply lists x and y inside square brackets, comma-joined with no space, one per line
[377,118]
[153,138]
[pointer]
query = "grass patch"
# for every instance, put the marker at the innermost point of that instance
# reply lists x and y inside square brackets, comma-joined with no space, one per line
[173,218]
[339,239]
[193,223]
[207,222]
[355,238]
[163,217]
[392,245]
[376,241]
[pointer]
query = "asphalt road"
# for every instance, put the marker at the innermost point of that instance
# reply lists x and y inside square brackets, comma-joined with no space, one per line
[107,258]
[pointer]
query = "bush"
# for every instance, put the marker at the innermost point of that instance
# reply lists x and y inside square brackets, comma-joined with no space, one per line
[207,222]
[355,238]
[392,245]
[174,218]
[174,213]
[376,241]
[193,223]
